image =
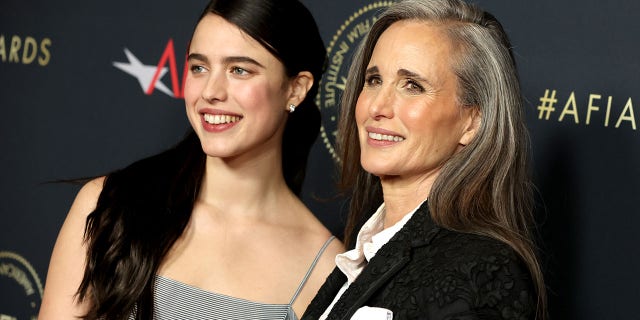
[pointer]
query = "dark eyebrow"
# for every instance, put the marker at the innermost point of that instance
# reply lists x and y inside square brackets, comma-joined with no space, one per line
[226,60]
[402,72]
[197,56]
[410,74]
[241,59]
[371,70]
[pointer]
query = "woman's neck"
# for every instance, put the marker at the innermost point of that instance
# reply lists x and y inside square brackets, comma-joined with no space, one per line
[402,195]
[246,186]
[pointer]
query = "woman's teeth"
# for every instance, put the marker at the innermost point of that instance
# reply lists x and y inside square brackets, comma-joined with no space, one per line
[220,119]
[384,137]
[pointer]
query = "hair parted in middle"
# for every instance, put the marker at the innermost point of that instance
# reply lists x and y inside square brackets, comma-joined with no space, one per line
[485,187]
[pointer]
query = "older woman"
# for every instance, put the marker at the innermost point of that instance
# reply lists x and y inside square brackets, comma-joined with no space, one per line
[433,135]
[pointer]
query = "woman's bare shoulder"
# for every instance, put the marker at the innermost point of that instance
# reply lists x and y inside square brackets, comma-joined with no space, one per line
[68,258]
[88,195]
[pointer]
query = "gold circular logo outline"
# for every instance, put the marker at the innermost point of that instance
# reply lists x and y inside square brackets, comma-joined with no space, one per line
[343,27]
[21,260]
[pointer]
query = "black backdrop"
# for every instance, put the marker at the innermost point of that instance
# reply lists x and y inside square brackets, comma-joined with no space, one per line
[78,99]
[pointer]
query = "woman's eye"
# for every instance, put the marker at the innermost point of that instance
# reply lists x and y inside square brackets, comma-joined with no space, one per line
[414,86]
[197,69]
[372,80]
[239,71]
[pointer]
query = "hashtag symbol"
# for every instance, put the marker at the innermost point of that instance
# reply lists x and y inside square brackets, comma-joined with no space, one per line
[546,104]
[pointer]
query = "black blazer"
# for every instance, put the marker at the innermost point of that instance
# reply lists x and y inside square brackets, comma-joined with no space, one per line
[429,272]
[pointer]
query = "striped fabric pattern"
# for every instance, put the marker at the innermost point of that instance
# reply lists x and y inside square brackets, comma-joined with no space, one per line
[174,300]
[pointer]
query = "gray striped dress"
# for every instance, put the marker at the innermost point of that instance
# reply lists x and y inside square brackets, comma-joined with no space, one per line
[176,300]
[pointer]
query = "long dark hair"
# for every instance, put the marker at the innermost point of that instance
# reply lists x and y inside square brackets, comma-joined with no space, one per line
[144,208]
[485,188]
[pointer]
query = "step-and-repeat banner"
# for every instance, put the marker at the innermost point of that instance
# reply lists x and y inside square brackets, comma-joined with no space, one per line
[88,87]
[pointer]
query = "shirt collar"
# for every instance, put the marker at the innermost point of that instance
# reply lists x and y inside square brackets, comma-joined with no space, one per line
[371,237]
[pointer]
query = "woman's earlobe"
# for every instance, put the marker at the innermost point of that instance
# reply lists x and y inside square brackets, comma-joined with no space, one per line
[472,126]
[301,84]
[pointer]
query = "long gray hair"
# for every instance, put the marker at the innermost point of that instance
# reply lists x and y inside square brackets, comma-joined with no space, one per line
[484,188]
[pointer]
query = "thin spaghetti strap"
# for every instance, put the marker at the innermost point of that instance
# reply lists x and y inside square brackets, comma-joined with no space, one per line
[313,265]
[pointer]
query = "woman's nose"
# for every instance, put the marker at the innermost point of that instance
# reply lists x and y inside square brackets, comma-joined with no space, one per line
[381,103]
[216,88]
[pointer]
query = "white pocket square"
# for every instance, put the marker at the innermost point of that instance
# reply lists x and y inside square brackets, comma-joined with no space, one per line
[372,313]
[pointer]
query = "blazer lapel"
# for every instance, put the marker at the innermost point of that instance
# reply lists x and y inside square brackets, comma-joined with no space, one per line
[390,259]
[325,295]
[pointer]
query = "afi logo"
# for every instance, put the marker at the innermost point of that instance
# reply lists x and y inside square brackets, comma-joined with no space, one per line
[149,76]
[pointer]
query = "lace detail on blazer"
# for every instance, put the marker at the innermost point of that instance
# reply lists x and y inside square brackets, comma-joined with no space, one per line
[428,272]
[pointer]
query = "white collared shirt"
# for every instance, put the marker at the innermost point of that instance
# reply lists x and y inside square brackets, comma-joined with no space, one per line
[371,237]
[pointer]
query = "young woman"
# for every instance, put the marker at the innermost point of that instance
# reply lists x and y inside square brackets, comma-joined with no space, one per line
[214,227]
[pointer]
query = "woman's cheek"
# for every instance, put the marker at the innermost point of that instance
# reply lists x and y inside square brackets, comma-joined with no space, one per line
[191,91]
